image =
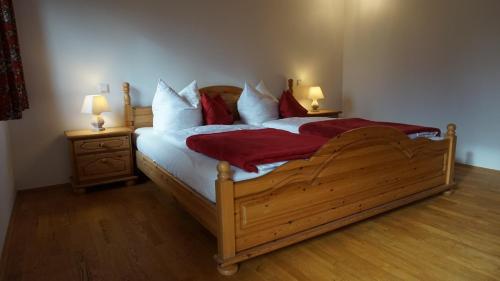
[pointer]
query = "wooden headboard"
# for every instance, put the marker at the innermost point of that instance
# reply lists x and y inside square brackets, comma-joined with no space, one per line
[230,94]
[138,117]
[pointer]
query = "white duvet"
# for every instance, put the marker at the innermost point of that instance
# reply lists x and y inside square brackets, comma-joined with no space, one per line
[169,150]
[293,124]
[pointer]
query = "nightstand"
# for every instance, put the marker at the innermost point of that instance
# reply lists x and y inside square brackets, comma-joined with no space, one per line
[324,113]
[101,157]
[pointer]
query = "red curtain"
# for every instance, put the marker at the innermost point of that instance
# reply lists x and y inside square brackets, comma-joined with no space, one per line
[13,97]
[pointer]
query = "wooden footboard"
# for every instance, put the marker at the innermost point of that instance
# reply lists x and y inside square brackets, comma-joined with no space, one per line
[354,176]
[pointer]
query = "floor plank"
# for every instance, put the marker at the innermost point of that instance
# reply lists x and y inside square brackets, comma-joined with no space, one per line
[138,233]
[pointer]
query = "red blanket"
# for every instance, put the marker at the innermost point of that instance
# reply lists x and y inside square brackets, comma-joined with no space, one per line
[248,148]
[334,127]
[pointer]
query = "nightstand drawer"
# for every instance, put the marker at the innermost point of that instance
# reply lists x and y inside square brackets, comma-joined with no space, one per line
[101,144]
[103,165]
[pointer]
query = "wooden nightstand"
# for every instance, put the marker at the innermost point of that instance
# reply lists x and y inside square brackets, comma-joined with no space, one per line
[101,157]
[324,113]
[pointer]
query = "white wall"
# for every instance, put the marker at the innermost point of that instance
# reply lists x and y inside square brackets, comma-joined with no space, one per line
[7,191]
[429,62]
[68,47]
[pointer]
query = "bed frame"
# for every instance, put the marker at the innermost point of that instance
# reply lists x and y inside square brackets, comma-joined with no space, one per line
[354,176]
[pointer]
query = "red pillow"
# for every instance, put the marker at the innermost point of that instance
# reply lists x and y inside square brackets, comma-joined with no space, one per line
[290,107]
[215,111]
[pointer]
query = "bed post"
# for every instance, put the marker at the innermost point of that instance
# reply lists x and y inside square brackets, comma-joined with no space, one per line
[450,172]
[290,85]
[129,119]
[226,237]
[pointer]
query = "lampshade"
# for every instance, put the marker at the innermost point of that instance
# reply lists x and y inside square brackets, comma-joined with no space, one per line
[315,93]
[95,104]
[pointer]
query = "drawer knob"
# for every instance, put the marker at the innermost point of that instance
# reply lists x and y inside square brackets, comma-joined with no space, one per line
[101,144]
[104,160]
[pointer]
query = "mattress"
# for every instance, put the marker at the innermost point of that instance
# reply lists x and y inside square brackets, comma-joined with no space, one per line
[198,171]
[293,124]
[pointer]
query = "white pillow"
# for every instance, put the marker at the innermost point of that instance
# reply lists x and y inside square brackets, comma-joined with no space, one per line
[255,107]
[172,111]
[191,94]
[261,87]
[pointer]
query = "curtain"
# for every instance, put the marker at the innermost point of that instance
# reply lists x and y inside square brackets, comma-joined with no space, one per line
[13,97]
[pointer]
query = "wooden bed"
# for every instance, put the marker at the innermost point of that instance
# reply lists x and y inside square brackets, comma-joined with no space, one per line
[354,176]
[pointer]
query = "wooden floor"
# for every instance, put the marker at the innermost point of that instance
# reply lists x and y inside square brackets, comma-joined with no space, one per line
[137,233]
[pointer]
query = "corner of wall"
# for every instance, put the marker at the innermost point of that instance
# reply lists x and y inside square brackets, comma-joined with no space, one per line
[7,190]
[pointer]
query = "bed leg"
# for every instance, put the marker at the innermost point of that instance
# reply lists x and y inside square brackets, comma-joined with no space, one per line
[450,161]
[226,236]
[228,270]
[449,192]
[450,169]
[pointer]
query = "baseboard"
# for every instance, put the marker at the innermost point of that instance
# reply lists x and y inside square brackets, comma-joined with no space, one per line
[476,168]
[45,188]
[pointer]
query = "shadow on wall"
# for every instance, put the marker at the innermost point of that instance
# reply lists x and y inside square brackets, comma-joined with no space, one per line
[208,51]
[37,137]
[135,93]
[347,105]
[188,46]
[469,157]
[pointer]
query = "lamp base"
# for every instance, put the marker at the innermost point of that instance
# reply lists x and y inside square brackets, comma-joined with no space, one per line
[315,105]
[97,123]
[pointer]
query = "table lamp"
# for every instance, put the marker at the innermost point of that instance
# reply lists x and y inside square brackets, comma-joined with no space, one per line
[95,105]
[315,94]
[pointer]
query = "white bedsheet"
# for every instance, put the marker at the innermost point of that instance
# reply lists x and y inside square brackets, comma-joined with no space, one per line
[169,150]
[293,124]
